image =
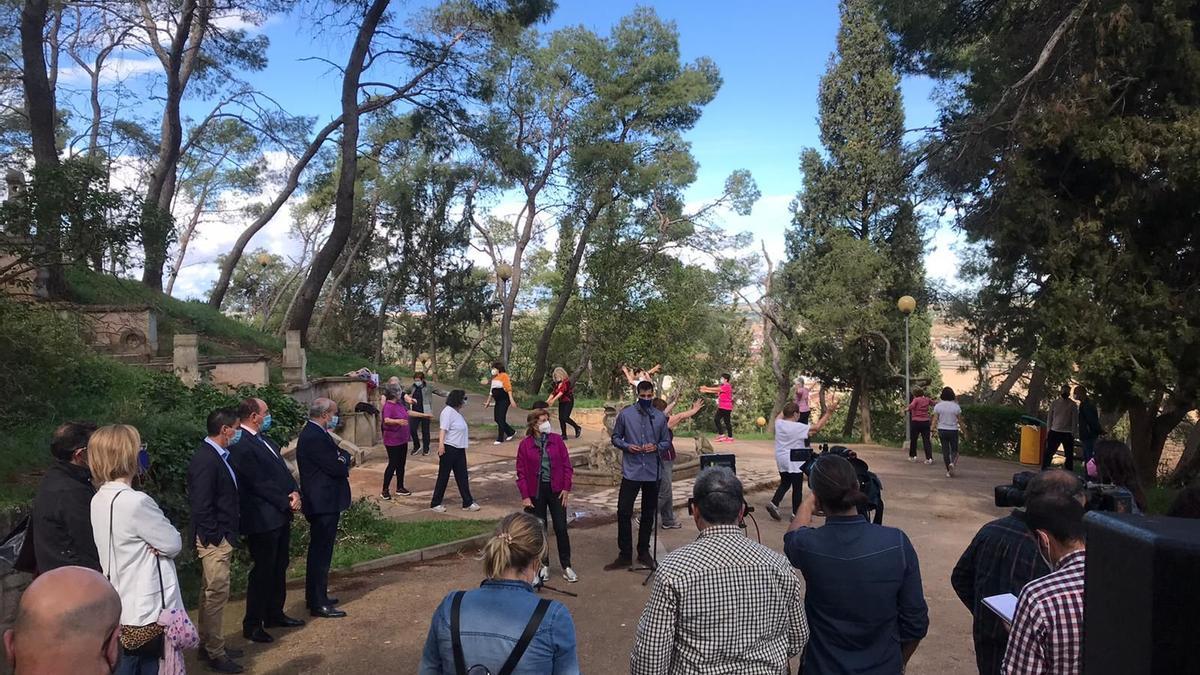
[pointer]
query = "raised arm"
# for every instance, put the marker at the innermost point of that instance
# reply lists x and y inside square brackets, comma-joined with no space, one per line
[657,367]
[628,375]
[674,420]
[820,424]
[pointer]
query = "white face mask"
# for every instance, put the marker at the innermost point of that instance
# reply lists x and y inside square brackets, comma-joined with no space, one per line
[495,372]
[544,427]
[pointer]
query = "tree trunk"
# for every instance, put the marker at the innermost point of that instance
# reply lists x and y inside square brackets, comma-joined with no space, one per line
[1014,375]
[39,106]
[851,411]
[462,365]
[1189,462]
[560,305]
[864,412]
[1148,432]
[343,214]
[345,272]
[381,317]
[160,191]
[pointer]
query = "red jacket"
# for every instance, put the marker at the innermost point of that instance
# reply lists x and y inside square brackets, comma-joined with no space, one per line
[529,464]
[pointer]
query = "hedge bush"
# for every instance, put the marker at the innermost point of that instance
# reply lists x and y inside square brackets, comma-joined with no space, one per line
[991,430]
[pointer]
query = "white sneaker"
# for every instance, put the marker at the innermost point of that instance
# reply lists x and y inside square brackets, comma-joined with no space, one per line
[509,438]
[545,573]
[570,576]
[473,507]
[929,461]
[440,508]
[495,442]
[912,459]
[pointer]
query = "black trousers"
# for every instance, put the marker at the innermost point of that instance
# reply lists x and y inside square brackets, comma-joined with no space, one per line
[724,416]
[454,461]
[419,427]
[397,457]
[266,588]
[625,499]
[564,417]
[548,500]
[795,481]
[503,430]
[949,440]
[804,416]
[1054,439]
[322,534]
[919,429]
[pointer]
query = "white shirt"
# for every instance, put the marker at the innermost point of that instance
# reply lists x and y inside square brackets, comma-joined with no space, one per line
[789,435]
[947,413]
[224,455]
[455,425]
[137,525]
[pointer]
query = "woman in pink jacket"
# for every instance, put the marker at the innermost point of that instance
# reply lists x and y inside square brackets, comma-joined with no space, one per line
[544,474]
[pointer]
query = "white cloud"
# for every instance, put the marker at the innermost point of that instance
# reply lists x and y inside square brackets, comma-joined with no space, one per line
[115,69]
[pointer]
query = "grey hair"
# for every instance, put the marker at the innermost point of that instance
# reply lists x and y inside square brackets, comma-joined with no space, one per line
[320,407]
[718,495]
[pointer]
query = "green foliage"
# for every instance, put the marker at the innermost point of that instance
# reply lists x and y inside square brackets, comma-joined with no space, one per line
[991,430]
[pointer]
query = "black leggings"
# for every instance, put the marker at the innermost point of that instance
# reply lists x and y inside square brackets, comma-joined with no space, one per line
[919,429]
[454,461]
[564,417]
[726,417]
[397,456]
[503,430]
[795,481]
[949,441]
[547,499]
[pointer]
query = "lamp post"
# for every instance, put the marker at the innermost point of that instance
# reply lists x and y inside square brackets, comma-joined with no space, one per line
[504,272]
[906,305]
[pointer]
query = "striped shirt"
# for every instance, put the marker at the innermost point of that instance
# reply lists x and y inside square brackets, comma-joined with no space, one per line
[721,604]
[1047,632]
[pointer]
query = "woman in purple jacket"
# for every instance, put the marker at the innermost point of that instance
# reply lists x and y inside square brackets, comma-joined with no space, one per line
[544,474]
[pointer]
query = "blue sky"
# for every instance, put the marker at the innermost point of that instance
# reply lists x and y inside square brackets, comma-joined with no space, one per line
[771,55]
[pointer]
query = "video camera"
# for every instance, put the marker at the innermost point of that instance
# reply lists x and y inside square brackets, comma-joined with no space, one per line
[1100,496]
[807,456]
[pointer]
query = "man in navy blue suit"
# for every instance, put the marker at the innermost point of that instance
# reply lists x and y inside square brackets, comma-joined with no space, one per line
[212,491]
[269,496]
[325,493]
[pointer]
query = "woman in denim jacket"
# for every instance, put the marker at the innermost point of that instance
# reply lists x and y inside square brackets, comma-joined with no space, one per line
[493,616]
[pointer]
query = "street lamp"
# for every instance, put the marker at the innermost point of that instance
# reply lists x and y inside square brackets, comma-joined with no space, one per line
[504,272]
[906,305]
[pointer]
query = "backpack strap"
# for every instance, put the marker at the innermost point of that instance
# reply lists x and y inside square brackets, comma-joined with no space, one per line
[530,629]
[460,662]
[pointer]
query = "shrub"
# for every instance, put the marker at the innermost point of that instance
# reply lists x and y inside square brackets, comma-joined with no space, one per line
[991,429]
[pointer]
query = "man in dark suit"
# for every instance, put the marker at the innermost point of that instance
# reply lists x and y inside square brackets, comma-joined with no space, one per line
[213,497]
[60,527]
[325,493]
[269,497]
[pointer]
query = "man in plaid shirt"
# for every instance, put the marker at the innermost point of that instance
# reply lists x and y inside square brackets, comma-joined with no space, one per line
[1047,631]
[723,603]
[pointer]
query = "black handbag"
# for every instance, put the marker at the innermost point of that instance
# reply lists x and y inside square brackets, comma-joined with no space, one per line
[16,551]
[460,661]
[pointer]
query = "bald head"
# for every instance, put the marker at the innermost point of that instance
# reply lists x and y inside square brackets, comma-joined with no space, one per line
[1054,484]
[66,622]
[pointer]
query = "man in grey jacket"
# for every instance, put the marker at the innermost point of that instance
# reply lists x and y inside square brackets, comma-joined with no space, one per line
[640,432]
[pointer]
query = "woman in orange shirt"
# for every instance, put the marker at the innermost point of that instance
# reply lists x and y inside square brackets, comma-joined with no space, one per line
[501,395]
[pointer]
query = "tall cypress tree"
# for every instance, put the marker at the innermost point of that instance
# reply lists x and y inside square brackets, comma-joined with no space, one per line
[855,243]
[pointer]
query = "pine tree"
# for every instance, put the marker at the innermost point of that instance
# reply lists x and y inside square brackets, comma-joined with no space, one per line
[855,244]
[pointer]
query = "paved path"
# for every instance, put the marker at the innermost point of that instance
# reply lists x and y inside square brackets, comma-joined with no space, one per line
[390,610]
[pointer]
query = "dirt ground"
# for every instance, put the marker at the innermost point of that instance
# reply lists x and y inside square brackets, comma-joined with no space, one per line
[389,611]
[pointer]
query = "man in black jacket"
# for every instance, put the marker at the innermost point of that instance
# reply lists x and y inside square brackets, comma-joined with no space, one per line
[325,493]
[61,524]
[213,497]
[269,496]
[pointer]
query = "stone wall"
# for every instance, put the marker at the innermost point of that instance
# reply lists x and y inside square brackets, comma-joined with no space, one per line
[234,371]
[11,585]
[119,329]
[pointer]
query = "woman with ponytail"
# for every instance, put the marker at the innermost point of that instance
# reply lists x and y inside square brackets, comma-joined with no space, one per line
[481,631]
[866,610]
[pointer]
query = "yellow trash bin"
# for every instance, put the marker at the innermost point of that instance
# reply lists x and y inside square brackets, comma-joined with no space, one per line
[1031,444]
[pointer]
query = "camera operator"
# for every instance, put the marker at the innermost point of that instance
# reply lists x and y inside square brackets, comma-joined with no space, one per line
[1047,630]
[864,600]
[792,434]
[1114,465]
[1002,558]
[723,603]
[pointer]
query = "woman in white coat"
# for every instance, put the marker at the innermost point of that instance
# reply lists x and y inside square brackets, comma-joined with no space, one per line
[137,546]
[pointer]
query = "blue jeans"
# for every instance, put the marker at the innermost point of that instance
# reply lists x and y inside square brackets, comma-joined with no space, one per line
[136,665]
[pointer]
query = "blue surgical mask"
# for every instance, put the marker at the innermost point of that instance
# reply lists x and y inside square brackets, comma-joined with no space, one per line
[237,436]
[143,460]
[266,423]
[333,422]
[645,403]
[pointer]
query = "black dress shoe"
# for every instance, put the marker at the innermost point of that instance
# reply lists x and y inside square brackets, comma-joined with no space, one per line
[257,635]
[328,612]
[285,621]
[232,652]
[225,665]
[332,601]
[620,563]
[647,560]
